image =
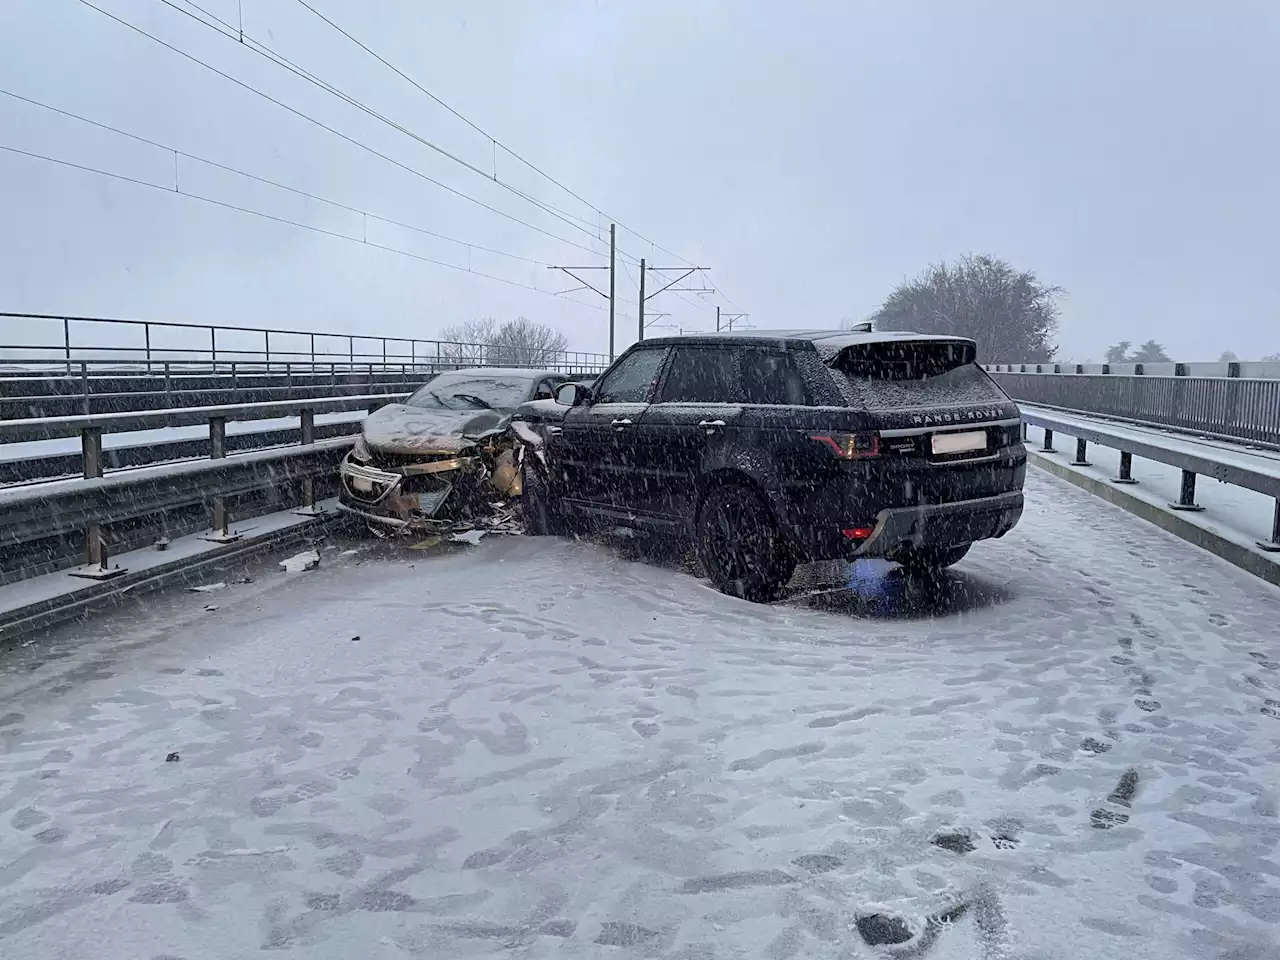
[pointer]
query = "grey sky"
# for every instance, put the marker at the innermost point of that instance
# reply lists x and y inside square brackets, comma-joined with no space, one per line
[812,154]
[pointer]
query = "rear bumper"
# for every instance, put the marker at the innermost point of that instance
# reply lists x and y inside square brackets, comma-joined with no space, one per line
[897,530]
[941,525]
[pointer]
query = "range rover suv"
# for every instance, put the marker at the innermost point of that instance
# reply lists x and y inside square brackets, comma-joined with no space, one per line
[772,448]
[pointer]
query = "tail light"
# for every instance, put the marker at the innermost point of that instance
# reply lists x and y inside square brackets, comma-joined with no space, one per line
[858,533]
[849,446]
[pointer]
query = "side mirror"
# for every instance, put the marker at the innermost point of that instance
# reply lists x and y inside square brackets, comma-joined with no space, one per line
[573,394]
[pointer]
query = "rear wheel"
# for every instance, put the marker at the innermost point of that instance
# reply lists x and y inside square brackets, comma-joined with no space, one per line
[541,516]
[925,559]
[739,545]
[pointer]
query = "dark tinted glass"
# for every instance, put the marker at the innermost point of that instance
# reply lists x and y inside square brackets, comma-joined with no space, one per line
[632,379]
[770,378]
[701,375]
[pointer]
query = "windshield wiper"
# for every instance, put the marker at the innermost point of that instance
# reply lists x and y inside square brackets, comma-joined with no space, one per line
[479,402]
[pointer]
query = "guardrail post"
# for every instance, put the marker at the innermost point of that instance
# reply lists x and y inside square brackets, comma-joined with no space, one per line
[220,528]
[168,386]
[307,430]
[84,386]
[66,342]
[97,563]
[1126,469]
[1273,545]
[91,452]
[1048,442]
[1082,449]
[1187,495]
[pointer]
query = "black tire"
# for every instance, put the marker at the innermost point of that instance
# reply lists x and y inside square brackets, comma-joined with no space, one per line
[927,559]
[739,545]
[541,518]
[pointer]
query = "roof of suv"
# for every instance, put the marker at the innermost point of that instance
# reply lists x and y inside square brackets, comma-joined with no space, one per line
[823,340]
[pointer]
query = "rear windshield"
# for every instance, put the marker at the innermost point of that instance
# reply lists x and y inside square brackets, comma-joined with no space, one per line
[903,359]
[467,389]
[898,374]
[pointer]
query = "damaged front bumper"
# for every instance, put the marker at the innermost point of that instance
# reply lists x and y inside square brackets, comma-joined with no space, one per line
[427,495]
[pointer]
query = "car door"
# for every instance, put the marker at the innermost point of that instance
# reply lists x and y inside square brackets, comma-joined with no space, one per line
[696,414]
[598,438]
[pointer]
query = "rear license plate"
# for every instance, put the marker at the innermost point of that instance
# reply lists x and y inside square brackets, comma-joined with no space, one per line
[959,442]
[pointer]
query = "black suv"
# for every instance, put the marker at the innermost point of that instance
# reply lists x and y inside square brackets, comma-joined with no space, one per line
[769,449]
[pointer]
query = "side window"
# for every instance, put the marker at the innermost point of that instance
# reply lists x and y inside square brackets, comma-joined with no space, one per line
[771,378]
[631,381]
[701,375]
[544,391]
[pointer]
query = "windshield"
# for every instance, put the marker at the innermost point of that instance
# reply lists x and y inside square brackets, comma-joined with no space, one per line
[468,390]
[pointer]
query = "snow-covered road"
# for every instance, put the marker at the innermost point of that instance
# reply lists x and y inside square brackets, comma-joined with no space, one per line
[1069,749]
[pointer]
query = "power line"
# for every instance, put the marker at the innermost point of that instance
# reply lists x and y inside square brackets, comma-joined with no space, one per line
[332,130]
[484,133]
[280,60]
[283,220]
[265,180]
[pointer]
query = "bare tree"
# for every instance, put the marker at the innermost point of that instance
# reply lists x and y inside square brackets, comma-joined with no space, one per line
[1010,313]
[515,343]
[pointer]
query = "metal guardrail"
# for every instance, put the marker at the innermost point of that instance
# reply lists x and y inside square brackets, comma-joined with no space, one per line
[145,345]
[49,511]
[1224,407]
[1257,473]
[51,428]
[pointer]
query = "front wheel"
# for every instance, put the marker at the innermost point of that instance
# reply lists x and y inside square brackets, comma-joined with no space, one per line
[927,559]
[541,516]
[739,545]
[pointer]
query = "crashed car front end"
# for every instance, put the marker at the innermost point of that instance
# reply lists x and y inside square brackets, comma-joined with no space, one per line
[427,480]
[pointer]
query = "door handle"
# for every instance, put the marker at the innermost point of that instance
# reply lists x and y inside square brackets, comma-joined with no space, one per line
[619,424]
[711,426]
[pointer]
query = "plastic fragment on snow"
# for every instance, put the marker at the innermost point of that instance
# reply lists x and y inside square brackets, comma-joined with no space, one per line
[210,607]
[307,560]
[471,536]
[209,587]
[172,758]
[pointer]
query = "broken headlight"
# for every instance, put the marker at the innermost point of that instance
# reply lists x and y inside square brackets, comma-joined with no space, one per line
[361,450]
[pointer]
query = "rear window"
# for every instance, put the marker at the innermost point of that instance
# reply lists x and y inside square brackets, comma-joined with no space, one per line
[913,374]
[903,359]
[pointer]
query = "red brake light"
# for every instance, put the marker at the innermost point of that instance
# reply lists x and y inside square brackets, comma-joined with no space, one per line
[858,533]
[849,446]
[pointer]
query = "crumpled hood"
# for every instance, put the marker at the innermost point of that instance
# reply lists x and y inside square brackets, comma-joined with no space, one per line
[397,428]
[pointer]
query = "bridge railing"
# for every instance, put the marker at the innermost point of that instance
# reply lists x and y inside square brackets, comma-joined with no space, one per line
[71,344]
[1231,408]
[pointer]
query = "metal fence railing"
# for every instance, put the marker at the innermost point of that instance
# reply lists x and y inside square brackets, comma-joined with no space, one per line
[46,343]
[1229,408]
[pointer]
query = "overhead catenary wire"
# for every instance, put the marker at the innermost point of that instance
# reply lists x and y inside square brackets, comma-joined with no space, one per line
[280,60]
[264,180]
[283,220]
[592,227]
[492,139]
[333,130]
